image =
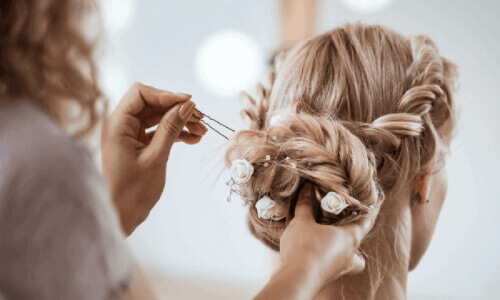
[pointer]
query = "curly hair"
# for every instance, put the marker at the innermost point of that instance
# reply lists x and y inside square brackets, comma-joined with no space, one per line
[366,111]
[47,58]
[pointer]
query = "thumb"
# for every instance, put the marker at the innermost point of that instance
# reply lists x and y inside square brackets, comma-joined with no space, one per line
[357,265]
[168,131]
[305,205]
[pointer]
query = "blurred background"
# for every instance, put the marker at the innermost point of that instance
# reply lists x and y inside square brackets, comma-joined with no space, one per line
[195,244]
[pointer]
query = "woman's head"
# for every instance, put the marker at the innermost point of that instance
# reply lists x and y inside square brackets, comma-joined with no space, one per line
[47,58]
[364,112]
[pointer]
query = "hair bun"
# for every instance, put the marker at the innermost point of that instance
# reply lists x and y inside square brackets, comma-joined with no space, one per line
[305,148]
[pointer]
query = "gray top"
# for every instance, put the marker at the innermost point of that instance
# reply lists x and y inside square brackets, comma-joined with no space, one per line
[59,234]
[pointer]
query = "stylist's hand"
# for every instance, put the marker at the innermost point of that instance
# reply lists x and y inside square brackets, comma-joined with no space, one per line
[328,250]
[134,162]
[314,255]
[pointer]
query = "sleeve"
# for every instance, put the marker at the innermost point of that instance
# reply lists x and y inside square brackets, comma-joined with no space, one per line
[59,234]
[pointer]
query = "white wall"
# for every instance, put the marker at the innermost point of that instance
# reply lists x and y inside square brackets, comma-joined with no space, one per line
[194,233]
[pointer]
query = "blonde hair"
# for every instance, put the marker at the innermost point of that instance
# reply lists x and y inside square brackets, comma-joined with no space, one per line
[365,111]
[47,59]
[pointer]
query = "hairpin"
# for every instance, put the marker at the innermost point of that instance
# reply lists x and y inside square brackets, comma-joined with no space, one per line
[216,122]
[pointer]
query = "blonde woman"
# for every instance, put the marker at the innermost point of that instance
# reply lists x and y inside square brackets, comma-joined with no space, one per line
[364,116]
[62,229]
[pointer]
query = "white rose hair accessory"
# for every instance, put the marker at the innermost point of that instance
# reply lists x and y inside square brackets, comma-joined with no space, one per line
[241,171]
[333,203]
[270,209]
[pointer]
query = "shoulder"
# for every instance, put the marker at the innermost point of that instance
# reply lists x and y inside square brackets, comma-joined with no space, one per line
[41,166]
[34,144]
[52,193]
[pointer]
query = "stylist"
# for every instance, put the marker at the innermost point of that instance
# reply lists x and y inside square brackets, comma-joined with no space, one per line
[62,228]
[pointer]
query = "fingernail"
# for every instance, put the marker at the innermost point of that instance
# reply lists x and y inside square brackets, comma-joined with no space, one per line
[198,114]
[185,95]
[305,191]
[186,110]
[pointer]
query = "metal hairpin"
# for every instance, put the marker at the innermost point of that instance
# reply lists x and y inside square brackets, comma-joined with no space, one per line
[210,126]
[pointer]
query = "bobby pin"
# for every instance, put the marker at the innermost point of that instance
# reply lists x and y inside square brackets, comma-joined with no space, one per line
[210,126]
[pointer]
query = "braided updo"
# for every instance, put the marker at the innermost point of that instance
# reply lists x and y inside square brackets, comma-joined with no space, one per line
[363,112]
[303,147]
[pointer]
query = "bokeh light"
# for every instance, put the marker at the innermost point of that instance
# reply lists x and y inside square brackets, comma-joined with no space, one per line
[367,6]
[115,79]
[228,61]
[118,15]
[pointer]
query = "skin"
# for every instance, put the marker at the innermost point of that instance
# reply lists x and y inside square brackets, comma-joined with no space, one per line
[424,215]
[423,218]
[313,255]
[135,164]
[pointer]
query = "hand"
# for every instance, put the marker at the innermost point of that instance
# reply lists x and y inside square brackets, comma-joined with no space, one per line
[314,255]
[134,161]
[324,250]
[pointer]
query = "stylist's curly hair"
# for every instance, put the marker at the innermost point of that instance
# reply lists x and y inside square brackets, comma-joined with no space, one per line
[46,58]
[364,111]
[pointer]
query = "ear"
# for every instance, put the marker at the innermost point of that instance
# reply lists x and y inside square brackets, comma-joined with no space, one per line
[421,186]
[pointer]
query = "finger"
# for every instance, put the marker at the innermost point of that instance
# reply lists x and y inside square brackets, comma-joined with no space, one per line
[196,128]
[151,119]
[184,137]
[281,231]
[140,95]
[168,131]
[150,134]
[305,205]
[198,114]
[195,119]
[189,138]
[357,265]
[361,228]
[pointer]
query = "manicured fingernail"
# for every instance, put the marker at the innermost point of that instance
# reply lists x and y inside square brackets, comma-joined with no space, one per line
[186,110]
[185,95]
[198,114]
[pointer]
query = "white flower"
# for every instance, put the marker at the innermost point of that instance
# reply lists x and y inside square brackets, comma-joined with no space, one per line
[270,209]
[241,170]
[333,203]
[275,119]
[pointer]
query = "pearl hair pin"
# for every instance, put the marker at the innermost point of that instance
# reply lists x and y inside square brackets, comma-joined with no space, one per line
[268,158]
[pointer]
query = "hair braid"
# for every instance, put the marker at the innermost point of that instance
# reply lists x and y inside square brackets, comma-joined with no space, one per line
[323,152]
[254,113]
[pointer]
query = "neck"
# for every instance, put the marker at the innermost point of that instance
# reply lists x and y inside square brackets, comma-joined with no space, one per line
[387,246]
[393,286]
